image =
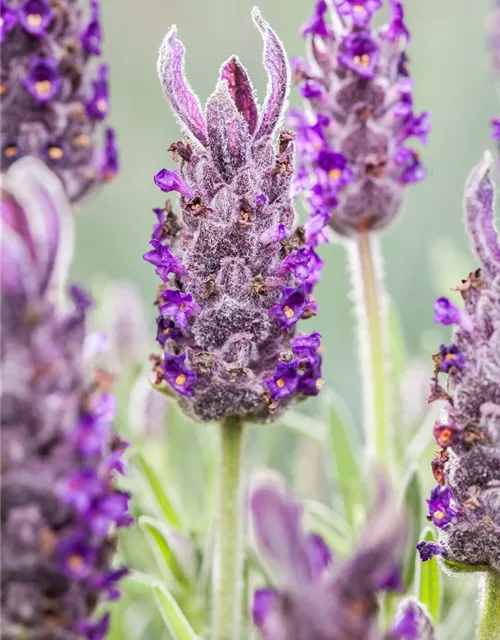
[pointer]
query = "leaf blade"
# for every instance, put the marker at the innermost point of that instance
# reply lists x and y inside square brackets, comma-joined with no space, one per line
[163,500]
[157,537]
[428,580]
[175,621]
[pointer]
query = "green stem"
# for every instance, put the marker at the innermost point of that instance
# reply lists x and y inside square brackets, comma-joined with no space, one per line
[489,615]
[227,574]
[370,300]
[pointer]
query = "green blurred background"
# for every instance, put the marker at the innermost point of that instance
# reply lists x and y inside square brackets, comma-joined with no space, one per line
[450,70]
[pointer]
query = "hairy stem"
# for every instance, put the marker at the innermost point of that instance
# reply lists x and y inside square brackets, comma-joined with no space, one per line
[489,614]
[227,574]
[373,343]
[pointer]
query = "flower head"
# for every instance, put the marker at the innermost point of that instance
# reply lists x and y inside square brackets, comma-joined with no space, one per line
[60,454]
[354,162]
[320,597]
[465,504]
[237,272]
[51,108]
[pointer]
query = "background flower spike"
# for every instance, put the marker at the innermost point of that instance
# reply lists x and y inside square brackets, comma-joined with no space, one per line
[60,454]
[53,97]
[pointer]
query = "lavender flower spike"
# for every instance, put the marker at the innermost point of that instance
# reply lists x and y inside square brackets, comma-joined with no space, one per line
[354,160]
[466,503]
[51,104]
[321,598]
[237,273]
[59,451]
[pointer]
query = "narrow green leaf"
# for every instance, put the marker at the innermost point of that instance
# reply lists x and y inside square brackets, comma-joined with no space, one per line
[163,500]
[412,505]
[157,536]
[428,580]
[343,456]
[175,621]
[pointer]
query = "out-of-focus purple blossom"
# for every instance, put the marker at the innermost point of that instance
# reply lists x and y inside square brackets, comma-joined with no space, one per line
[60,454]
[98,105]
[237,270]
[50,107]
[318,597]
[465,504]
[9,19]
[412,623]
[148,410]
[109,166]
[35,16]
[360,115]
[91,37]
[42,80]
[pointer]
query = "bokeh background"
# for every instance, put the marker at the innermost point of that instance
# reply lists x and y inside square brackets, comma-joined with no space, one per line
[453,81]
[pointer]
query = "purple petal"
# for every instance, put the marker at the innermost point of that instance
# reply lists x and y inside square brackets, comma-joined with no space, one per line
[228,134]
[241,90]
[263,602]
[277,528]
[479,210]
[183,100]
[318,553]
[278,73]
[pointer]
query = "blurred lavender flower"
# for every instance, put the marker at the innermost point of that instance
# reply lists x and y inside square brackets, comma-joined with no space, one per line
[59,451]
[148,410]
[124,320]
[352,141]
[465,505]
[321,598]
[242,272]
[51,105]
[493,44]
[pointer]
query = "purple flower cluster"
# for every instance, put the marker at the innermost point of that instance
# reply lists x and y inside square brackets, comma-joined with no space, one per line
[237,273]
[352,141]
[51,105]
[60,455]
[465,505]
[323,599]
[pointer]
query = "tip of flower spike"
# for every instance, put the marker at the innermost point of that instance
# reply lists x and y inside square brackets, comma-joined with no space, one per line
[257,16]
